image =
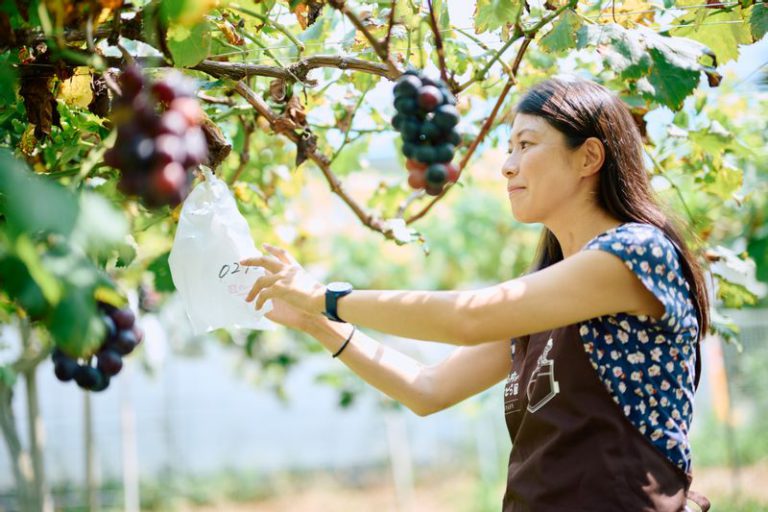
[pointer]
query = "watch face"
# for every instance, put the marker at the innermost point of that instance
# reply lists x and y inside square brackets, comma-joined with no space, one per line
[338,286]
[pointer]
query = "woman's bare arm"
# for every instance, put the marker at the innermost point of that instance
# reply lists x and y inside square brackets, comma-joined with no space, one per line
[424,389]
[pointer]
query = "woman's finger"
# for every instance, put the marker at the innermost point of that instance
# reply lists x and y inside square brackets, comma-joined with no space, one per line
[268,262]
[263,297]
[281,254]
[261,283]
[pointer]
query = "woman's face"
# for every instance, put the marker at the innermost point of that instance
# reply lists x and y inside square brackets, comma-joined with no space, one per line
[539,171]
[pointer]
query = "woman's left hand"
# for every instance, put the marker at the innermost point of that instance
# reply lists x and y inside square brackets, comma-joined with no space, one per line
[286,280]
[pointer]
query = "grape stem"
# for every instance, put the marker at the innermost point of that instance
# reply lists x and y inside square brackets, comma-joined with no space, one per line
[264,19]
[438,42]
[245,157]
[389,27]
[349,129]
[380,50]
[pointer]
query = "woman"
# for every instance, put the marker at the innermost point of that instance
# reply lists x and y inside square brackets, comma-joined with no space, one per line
[605,329]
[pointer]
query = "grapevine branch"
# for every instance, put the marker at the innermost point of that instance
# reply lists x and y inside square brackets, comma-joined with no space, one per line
[381,50]
[438,42]
[389,26]
[373,222]
[299,69]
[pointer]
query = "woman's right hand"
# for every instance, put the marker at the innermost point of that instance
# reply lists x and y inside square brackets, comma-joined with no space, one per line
[290,316]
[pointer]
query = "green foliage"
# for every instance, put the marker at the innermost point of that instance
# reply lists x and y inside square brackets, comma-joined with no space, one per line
[494,14]
[68,235]
[189,45]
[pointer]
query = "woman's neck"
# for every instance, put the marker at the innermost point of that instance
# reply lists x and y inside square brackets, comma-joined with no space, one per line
[574,233]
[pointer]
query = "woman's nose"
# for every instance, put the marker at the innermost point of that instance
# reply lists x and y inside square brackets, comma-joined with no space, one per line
[509,168]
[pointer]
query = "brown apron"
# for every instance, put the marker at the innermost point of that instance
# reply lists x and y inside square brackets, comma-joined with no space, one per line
[572,447]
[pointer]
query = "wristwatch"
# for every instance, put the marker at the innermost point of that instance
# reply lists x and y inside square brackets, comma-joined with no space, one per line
[333,292]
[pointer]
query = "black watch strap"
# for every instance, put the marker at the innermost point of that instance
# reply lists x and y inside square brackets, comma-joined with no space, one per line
[333,292]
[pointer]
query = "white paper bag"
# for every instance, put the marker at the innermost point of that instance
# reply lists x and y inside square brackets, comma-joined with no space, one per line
[211,238]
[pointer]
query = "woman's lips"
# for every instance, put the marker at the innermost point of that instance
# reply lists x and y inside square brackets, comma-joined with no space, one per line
[515,189]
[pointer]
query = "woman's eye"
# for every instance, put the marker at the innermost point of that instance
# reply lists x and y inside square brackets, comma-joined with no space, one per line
[524,144]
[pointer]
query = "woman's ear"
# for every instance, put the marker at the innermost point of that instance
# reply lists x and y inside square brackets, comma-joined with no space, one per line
[591,157]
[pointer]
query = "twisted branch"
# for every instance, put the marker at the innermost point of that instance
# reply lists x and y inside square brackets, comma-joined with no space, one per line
[373,222]
[380,49]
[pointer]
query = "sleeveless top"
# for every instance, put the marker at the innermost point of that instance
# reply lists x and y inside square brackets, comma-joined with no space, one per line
[575,447]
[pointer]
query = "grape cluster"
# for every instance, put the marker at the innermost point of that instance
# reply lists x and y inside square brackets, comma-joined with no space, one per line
[159,138]
[122,336]
[427,118]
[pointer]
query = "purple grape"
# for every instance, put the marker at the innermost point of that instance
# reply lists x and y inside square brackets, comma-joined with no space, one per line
[65,369]
[124,318]
[124,343]
[109,362]
[101,383]
[86,376]
[197,147]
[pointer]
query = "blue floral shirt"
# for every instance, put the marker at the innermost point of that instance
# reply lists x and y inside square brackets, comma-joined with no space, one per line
[648,365]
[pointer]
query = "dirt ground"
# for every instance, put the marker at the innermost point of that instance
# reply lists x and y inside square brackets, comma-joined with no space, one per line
[457,492]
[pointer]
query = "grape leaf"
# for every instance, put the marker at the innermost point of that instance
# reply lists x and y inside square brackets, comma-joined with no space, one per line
[162,272]
[722,31]
[493,14]
[564,34]
[671,84]
[20,188]
[670,64]
[189,45]
[9,77]
[758,21]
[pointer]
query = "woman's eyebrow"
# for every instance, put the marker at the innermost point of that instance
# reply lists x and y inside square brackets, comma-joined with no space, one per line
[518,134]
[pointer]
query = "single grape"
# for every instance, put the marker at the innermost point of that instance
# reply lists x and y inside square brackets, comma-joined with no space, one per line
[413,165]
[167,185]
[123,318]
[164,91]
[86,376]
[189,108]
[417,179]
[102,381]
[436,174]
[425,153]
[433,190]
[131,81]
[65,369]
[446,117]
[407,85]
[111,327]
[409,149]
[407,105]
[454,138]
[124,343]
[452,173]
[197,147]
[172,122]
[109,362]
[444,153]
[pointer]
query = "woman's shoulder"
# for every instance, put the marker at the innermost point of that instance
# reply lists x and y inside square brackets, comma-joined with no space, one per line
[639,239]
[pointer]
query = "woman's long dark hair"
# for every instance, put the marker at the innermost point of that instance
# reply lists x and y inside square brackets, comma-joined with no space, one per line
[580,109]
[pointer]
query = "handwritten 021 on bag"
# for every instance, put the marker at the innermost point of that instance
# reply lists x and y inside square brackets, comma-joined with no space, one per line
[211,238]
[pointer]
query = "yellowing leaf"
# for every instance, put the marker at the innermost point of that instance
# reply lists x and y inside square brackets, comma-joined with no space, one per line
[76,91]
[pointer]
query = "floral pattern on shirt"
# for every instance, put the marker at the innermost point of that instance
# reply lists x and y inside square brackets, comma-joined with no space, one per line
[648,365]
